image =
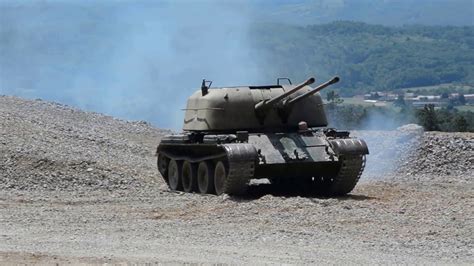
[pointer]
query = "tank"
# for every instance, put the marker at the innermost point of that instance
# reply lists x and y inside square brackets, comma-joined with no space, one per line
[232,135]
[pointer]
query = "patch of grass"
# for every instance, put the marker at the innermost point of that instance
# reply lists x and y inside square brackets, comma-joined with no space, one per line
[360,101]
[469,108]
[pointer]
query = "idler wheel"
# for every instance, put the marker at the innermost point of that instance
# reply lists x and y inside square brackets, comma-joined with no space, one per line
[175,175]
[189,174]
[220,177]
[205,177]
[162,163]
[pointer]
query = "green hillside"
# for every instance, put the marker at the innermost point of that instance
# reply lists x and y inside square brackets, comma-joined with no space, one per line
[367,57]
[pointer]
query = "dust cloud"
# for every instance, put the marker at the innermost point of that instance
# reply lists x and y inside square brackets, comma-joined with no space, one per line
[134,60]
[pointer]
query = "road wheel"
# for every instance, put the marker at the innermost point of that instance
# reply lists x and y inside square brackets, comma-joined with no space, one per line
[189,174]
[205,177]
[220,178]
[175,175]
[162,163]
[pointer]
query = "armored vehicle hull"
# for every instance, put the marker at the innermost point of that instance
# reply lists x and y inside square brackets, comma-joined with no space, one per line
[232,135]
[330,161]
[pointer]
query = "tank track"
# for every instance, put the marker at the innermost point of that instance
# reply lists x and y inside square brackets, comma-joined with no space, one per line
[241,159]
[349,174]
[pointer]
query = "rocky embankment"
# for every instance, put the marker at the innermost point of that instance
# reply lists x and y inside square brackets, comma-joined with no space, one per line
[49,146]
[409,154]
[80,187]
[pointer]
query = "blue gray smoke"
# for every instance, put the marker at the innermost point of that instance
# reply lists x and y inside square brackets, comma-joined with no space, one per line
[135,60]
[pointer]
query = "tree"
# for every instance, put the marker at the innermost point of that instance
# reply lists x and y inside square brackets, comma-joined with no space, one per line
[450,106]
[460,124]
[400,101]
[334,98]
[461,99]
[427,118]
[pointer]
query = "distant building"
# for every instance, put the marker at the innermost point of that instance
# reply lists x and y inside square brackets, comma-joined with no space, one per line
[414,99]
[432,98]
[469,98]
[380,96]
[373,95]
[421,104]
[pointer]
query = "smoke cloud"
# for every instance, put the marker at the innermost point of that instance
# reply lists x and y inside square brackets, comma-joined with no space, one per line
[135,60]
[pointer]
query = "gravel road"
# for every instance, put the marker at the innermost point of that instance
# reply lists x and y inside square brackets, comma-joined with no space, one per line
[79,187]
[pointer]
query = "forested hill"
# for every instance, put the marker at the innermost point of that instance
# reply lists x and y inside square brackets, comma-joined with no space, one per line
[367,57]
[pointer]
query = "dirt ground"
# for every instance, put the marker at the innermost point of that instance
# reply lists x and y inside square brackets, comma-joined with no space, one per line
[379,223]
[79,187]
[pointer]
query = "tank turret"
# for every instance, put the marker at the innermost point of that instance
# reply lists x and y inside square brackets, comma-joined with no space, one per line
[234,134]
[286,107]
[264,106]
[255,108]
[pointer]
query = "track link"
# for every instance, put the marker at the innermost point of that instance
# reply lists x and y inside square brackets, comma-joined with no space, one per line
[241,159]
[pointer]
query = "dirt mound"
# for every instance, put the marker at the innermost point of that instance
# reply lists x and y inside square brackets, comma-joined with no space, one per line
[46,145]
[446,154]
[409,153]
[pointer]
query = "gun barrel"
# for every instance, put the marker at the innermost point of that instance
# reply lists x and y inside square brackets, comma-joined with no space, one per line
[261,105]
[313,91]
